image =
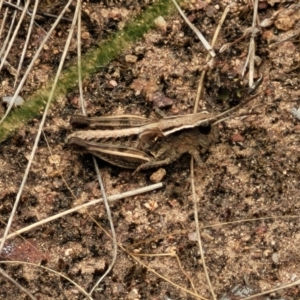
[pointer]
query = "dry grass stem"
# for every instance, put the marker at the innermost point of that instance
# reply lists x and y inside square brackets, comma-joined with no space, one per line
[11,39]
[170,254]
[214,39]
[30,28]
[251,52]
[112,228]
[195,201]
[16,203]
[85,205]
[134,257]
[197,32]
[14,282]
[35,57]
[51,271]
[105,200]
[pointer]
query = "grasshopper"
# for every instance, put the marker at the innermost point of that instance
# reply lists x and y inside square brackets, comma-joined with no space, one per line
[139,143]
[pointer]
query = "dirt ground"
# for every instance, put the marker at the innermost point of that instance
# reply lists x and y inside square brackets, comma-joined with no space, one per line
[248,189]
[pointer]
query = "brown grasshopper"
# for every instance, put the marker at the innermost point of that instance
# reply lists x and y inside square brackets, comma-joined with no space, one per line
[140,143]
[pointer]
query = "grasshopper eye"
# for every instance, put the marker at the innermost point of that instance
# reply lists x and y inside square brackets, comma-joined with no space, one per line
[205,129]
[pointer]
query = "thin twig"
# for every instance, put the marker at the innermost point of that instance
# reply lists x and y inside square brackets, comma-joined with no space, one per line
[32,15]
[5,275]
[1,3]
[112,227]
[2,28]
[8,40]
[32,154]
[52,271]
[185,231]
[197,32]
[27,41]
[152,270]
[82,206]
[257,296]
[169,254]
[108,211]
[82,102]
[251,52]
[196,216]
[227,46]
[200,86]
[35,57]
[12,39]
[164,278]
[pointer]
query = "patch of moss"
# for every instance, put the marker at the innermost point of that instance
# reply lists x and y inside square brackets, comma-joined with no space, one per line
[91,61]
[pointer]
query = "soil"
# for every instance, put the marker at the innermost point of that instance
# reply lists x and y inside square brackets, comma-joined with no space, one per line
[248,190]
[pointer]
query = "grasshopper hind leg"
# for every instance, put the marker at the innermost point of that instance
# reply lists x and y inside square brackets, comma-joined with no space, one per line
[194,152]
[153,164]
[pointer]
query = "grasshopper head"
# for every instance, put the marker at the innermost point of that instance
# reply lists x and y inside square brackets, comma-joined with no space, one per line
[209,134]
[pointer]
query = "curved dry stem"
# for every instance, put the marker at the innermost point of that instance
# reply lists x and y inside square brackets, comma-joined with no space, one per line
[171,254]
[196,216]
[108,212]
[5,275]
[112,227]
[52,271]
[152,270]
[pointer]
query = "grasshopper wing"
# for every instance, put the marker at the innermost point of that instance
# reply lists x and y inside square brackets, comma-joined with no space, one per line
[121,156]
[120,121]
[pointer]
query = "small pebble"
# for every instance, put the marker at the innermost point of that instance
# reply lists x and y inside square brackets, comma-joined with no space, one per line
[275,257]
[192,236]
[294,111]
[237,138]
[285,23]
[131,58]
[161,24]
[85,35]
[161,101]
[112,83]
[158,175]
